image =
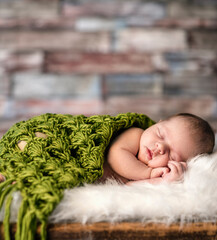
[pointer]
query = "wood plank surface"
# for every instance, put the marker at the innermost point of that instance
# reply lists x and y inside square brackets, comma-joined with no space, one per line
[126,231]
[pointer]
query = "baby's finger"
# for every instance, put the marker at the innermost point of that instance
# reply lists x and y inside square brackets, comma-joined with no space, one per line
[180,166]
[173,168]
[165,171]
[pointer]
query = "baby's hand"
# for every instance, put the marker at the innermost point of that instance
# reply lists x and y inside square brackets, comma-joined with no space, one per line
[176,172]
[159,172]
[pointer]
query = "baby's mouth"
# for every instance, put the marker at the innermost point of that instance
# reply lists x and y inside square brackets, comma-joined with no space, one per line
[148,153]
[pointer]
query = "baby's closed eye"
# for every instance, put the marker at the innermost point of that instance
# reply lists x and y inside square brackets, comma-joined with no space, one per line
[159,133]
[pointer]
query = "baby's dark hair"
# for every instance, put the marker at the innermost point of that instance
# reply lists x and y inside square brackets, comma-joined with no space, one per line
[201,131]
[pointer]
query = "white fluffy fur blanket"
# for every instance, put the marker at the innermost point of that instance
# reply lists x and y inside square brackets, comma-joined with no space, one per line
[192,200]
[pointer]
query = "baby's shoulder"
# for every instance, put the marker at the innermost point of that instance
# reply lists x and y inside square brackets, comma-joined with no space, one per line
[134,130]
[129,139]
[132,133]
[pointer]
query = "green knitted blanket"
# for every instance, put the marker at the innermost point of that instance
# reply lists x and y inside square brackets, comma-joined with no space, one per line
[56,152]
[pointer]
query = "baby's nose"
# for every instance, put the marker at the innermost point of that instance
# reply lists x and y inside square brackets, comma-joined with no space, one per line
[161,148]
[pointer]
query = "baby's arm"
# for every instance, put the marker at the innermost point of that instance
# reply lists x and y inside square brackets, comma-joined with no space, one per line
[122,156]
[174,173]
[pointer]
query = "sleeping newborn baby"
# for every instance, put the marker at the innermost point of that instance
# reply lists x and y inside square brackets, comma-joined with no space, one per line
[157,154]
[160,152]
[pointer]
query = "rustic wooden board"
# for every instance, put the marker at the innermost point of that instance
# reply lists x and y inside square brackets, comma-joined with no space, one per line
[127,231]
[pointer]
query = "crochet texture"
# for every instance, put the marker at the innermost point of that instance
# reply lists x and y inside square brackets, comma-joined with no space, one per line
[68,152]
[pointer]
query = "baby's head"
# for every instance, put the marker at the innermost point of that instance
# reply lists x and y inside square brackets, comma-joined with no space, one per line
[178,138]
[200,130]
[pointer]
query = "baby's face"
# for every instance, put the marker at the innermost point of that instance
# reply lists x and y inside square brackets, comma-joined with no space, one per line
[166,141]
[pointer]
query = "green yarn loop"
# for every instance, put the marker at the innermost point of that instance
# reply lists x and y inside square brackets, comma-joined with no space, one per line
[70,153]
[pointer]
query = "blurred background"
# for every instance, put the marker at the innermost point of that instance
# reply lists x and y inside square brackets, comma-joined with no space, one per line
[107,57]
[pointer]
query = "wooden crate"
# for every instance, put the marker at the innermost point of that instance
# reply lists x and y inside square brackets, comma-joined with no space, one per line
[127,231]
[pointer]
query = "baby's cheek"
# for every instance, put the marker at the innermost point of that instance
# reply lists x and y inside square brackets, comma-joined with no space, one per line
[142,157]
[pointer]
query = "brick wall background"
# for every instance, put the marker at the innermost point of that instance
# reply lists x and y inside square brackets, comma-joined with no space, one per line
[106,57]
